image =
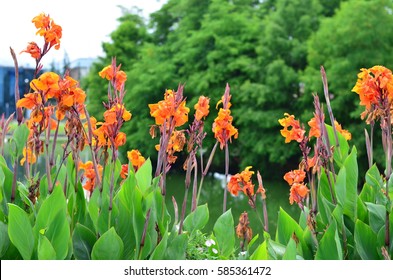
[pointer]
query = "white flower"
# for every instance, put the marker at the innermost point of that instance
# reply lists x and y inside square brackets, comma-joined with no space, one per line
[215,251]
[210,242]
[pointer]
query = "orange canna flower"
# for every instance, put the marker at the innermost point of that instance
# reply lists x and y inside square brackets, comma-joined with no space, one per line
[124,171]
[295,176]
[28,155]
[202,107]
[114,74]
[33,49]
[47,28]
[295,133]
[48,83]
[30,101]
[89,174]
[136,159]
[298,192]
[315,129]
[347,135]
[373,85]
[242,182]
[223,128]
[120,139]
[169,108]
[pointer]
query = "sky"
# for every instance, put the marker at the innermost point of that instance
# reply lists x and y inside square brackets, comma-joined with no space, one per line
[86,24]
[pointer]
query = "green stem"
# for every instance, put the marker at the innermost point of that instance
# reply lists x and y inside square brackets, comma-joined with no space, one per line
[224,207]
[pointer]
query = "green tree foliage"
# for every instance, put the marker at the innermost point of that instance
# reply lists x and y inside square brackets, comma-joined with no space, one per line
[355,37]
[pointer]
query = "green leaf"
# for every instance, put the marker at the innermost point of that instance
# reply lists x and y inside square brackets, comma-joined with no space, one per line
[176,248]
[340,186]
[159,251]
[365,241]
[108,247]
[290,251]
[52,218]
[144,176]
[374,179]
[351,167]
[286,227]
[330,247]
[83,240]
[224,230]
[4,239]
[45,249]
[94,208]
[6,183]
[341,153]
[261,253]
[198,219]
[20,231]
[377,216]
[19,137]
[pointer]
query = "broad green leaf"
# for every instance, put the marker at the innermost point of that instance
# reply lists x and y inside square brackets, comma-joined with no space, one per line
[367,194]
[374,179]
[45,249]
[6,183]
[330,247]
[4,239]
[20,231]
[94,208]
[176,248]
[198,219]
[365,241]
[52,219]
[340,186]
[108,247]
[83,240]
[290,251]
[144,176]
[19,137]
[224,231]
[351,167]
[377,215]
[159,251]
[286,227]
[341,152]
[261,253]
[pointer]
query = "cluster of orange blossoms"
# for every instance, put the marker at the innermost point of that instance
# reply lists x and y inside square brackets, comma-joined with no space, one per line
[51,32]
[67,94]
[292,129]
[90,174]
[222,126]
[299,190]
[375,89]
[242,182]
[108,133]
[136,159]
[202,108]
[170,107]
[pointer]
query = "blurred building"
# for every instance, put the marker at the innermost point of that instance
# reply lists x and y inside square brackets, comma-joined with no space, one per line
[80,67]
[7,87]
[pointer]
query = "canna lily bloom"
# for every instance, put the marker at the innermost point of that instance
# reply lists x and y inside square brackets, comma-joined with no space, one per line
[347,135]
[48,83]
[47,28]
[373,85]
[30,101]
[28,155]
[295,176]
[115,75]
[136,158]
[171,107]
[33,49]
[124,171]
[120,139]
[298,192]
[315,128]
[202,107]
[223,128]
[111,115]
[295,133]
[242,182]
[90,174]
